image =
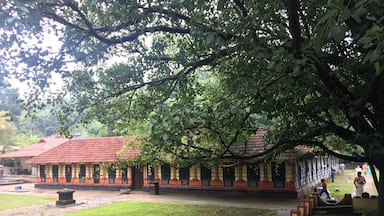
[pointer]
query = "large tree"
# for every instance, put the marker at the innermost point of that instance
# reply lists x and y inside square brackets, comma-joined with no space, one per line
[315,67]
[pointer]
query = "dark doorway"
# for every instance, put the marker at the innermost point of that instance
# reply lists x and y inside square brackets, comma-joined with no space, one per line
[55,173]
[124,175]
[165,173]
[253,175]
[68,173]
[184,175]
[205,173]
[96,173]
[228,176]
[42,173]
[137,178]
[278,174]
[82,173]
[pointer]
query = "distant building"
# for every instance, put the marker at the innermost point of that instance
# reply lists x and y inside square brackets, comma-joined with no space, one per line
[98,163]
[14,162]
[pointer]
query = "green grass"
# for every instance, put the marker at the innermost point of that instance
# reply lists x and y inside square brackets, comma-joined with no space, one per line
[343,184]
[8,201]
[165,209]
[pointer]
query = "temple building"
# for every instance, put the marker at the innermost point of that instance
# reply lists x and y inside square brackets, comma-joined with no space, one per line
[101,163]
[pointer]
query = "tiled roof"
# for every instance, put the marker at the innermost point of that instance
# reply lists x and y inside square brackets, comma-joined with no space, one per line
[88,150]
[256,145]
[40,147]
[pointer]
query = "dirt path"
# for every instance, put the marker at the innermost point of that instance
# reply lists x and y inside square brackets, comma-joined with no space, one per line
[90,199]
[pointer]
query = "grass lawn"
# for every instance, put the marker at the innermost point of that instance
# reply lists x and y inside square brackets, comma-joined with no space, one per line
[162,209]
[8,201]
[343,184]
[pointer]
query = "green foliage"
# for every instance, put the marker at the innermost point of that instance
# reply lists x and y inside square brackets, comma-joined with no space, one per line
[7,131]
[203,70]
[9,98]
[11,138]
[195,77]
[93,129]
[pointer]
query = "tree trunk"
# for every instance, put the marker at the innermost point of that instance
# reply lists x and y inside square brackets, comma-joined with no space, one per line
[380,188]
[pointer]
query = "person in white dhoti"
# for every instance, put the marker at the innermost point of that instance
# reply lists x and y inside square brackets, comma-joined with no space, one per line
[359,184]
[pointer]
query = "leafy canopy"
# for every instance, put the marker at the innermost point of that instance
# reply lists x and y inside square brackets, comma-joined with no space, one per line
[196,75]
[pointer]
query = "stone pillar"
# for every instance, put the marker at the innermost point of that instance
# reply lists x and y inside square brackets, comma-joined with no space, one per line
[174,180]
[119,177]
[88,173]
[157,174]
[48,177]
[38,180]
[290,175]
[129,175]
[239,181]
[217,182]
[195,173]
[76,171]
[173,172]
[103,174]
[145,174]
[266,182]
[61,174]
[194,178]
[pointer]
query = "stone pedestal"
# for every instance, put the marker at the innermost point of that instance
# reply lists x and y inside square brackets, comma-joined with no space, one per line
[65,197]
[154,188]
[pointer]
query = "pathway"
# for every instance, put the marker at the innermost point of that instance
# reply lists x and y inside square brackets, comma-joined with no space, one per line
[90,199]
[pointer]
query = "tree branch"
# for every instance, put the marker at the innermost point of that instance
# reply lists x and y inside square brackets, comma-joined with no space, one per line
[293,8]
[241,6]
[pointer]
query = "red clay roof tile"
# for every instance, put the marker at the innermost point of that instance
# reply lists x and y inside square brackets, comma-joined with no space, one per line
[41,146]
[87,150]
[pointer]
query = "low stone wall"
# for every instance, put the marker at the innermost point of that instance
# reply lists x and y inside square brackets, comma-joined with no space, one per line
[82,187]
[365,205]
